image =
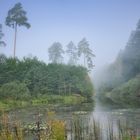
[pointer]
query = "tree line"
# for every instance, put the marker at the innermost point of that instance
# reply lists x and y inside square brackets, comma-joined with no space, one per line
[121,80]
[30,77]
[16,17]
[74,52]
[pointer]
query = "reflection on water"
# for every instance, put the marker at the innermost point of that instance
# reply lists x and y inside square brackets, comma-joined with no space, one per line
[129,116]
[83,116]
[128,119]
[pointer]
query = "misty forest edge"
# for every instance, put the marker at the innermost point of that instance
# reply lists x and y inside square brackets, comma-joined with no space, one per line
[34,78]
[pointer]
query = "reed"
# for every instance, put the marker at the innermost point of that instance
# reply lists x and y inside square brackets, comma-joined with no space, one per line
[78,128]
[10,130]
[93,130]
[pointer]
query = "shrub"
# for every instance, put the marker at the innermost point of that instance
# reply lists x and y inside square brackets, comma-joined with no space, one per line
[14,90]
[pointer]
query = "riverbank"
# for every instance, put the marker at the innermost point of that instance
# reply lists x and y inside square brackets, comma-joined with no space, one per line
[126,95]
[9,104]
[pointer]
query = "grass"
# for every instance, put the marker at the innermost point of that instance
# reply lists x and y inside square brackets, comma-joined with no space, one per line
[58,99]
[13,130]
[78,128]
[94,130]
[10,104]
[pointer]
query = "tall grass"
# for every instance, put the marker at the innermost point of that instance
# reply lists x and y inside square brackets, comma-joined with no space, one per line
[10,130]
[91,129]
[77,128]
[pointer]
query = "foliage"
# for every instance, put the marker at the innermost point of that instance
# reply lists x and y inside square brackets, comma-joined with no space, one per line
[16,17]
[54,129]
[83,49]
[116,80]
[58,129]
[10,131]
[31,77]
[58,99]
[78,127]
[72,52]
[14,90]
[55,53]
[128,93]
[9,104]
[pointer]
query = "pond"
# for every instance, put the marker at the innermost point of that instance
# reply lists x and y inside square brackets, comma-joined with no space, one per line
[85,114]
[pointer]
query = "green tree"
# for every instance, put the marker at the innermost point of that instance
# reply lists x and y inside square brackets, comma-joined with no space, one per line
[56,53]
[14,90]
[1,35]
[119,82]
[72,52]
[83,49]
[41,79]
[16,17]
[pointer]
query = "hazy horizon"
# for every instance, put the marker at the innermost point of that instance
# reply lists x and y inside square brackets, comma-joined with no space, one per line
[107,26]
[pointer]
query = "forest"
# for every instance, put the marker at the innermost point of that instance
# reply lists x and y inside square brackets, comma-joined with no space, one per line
[33,81]
[30,78]
[120,82]
[49,88]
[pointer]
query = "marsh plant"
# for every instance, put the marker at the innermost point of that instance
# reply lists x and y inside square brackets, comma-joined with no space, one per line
[92,129]
[10,130]
[76,128]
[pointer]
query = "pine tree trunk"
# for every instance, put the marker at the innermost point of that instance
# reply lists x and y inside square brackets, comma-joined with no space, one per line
[15,40]
[84,61]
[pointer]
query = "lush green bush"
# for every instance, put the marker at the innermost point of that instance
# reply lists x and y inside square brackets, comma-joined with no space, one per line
[58,99]
[14,90]
[21,78]
[127,94]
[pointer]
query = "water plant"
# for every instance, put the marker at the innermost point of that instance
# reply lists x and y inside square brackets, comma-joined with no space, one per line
[76,128]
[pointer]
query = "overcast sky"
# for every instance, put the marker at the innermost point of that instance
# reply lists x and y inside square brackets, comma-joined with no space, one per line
[106,24]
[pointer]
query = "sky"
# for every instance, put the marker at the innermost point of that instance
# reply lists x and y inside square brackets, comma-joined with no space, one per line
[106,24]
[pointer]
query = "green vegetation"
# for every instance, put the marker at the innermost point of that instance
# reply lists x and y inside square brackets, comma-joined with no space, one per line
[83,49]
[75,53]
[52,129]
[14,90]
[94,130]
[127,94]
[58,99]
[72,53]
[121,81]
[8,104]
[30,81]
[78,129]
[16,17]
[56,53]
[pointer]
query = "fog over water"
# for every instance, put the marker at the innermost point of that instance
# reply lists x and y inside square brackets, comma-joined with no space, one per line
[66,91]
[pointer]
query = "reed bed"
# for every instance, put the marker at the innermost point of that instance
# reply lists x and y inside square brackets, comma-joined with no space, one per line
[77,128]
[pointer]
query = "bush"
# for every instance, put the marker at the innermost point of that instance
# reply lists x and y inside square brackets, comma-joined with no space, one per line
[128,93]
[14,90]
